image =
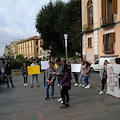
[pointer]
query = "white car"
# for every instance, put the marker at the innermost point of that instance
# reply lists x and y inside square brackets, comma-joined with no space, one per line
[96,66]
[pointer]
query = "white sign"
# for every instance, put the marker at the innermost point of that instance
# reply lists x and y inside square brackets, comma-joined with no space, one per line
[44,65]
[75,67]
[113,80]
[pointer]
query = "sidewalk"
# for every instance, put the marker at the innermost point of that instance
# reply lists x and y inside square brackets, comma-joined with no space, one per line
[25,103]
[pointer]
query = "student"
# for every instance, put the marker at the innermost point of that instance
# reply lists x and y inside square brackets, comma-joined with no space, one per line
[50,79]
[60,69]
[81,73]
[8,72]
[76,76]
[103,76]
[25,74]
[35,75]
[66,86]
[86,74]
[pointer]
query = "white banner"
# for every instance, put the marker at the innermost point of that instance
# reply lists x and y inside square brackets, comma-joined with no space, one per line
[44,65]
[75,67]
[113,80]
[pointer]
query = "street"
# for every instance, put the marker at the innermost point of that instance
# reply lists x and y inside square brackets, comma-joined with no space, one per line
[25,103]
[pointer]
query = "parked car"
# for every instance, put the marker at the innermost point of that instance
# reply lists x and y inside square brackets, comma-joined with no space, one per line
[96,66]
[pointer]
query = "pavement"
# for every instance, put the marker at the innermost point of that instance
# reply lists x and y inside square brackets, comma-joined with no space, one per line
[25,103]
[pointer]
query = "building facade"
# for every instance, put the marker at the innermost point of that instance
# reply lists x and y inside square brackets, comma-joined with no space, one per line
[31,47]
[11,50]
[101,28]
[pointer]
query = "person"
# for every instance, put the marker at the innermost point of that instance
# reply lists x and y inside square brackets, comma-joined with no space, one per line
[25,73]
[103,76]
[8,72]
[69,65]
[50,79]
[81,73]
[86,74]
[60,69]
[76,76]
[0,76]
[66,86]
[35,75]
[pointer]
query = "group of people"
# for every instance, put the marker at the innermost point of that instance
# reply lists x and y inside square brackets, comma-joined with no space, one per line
[63,74]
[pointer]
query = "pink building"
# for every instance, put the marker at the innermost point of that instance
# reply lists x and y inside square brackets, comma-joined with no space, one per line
[101,28]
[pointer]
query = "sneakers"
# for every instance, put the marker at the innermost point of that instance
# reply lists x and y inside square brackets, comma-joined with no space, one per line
[38,86]
[63,106]
[80,85]
[25,84]
[83,85]
[47,98]
[52,98]
[60,99]
[58,85]
[76,84]
[88,86]
[31,86]
[61,102]
[101,92]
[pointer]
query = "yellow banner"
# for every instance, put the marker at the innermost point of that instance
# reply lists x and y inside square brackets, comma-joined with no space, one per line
[33,70]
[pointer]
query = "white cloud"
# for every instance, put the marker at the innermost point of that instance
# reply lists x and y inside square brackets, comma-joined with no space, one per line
[18,19]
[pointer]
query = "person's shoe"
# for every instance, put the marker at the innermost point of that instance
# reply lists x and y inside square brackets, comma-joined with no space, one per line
[13,86]
[47,98]
[26,84]
[80,85]
[101,92]
[61,102]
[88,86]
[52,98]
[38,86]
[63,106]
[67,104]
[83,85]
[76,84]
[60,99]
[44,85]
[31,86]
[58,85]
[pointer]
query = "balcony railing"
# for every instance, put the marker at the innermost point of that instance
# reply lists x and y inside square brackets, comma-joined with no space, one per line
[108,19]
[108,48]
[87,28]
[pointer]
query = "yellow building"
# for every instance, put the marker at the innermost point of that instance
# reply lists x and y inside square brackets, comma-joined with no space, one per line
[31,47]
[101,28]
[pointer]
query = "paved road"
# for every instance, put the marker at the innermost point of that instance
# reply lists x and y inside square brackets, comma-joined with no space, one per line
[25,103]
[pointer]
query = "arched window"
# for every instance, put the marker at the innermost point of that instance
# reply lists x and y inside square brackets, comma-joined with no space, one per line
[90,13]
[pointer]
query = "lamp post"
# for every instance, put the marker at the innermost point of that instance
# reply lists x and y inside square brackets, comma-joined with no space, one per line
[66,37]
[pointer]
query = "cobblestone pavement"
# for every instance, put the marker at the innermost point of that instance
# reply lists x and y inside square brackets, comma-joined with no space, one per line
[25,103]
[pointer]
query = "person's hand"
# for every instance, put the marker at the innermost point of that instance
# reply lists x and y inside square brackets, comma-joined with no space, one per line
[57,73]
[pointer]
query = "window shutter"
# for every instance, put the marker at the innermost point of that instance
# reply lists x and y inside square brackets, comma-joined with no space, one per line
[103,7]
[113,37]
[114,6]
[104,39]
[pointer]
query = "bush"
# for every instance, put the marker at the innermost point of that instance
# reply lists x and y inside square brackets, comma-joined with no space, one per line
[16,64]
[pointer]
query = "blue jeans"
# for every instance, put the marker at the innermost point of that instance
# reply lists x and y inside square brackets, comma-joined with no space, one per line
[86,80]
[60,83]
[81,77]
[47,89]
[44,80]
[76,77]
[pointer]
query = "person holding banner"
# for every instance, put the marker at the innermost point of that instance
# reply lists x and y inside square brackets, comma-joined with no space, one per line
[103,76]
[25,74]
[35,75]
[50,79]
[86,74]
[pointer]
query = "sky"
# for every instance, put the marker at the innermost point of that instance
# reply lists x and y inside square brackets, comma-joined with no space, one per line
[17,20]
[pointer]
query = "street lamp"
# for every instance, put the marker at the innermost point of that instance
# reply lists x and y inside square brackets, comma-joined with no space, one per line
[66,37]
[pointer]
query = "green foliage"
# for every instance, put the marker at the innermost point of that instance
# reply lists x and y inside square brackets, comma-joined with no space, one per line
[20,57]
[56,19]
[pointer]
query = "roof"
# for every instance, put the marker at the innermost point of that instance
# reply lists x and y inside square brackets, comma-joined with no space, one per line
[28,39]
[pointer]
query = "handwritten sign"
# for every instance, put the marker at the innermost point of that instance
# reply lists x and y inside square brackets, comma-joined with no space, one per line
[44,65]
[75,67]
[33,70]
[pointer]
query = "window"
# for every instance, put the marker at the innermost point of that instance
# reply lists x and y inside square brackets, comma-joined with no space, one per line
[108,43]
[109,7]
[90,42]
[36,42]
[97,62]
[90,13]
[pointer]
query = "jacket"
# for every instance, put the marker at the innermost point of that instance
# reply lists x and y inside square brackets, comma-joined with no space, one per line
[101,72]
[8,71]
[49,73]
[86,71]
[82,69]
[60,70]
[66,80]
[24,70]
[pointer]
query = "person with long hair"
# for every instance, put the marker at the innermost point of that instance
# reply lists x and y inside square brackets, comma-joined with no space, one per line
[8,72]
[66,86]
[81,73]
[103,76]
[86,74]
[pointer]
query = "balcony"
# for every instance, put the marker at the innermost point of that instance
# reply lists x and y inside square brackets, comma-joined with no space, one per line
[87,28]
[108,48]
[108,20]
